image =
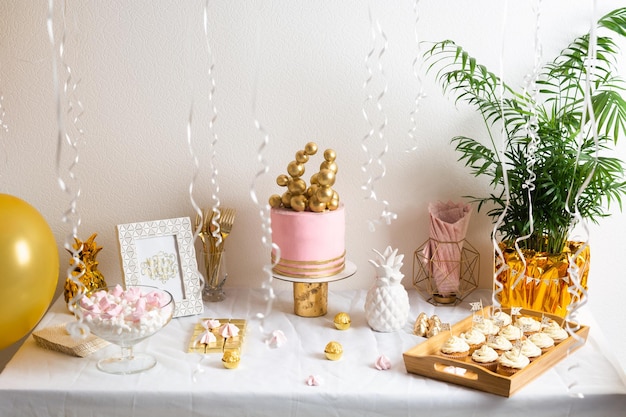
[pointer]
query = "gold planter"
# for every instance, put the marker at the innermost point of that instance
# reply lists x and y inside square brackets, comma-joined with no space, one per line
[545,283]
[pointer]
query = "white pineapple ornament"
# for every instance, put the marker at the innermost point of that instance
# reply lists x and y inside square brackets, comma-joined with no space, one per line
[387,302]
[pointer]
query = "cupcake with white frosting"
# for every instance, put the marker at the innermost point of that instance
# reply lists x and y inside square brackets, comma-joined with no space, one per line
[487,327]
[511,332]
[556,332]
[455,347]
[512,362]
[530,350]
[500,344]
[529,325]
[486,357]
[474,339]
[542,340]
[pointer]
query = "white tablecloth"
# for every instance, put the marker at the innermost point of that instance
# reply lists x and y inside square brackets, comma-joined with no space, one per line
[271,382]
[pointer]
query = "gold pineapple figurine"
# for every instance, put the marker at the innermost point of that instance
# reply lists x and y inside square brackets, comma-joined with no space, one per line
[92,278]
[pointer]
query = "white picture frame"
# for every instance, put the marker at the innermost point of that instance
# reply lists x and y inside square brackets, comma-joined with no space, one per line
[161,254]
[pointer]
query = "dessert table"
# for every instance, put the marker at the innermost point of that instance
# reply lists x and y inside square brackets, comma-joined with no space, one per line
[273,381]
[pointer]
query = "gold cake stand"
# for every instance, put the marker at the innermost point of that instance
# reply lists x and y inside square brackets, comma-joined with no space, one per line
[310,295]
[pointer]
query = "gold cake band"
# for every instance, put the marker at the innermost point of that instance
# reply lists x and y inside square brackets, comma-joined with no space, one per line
[310,269]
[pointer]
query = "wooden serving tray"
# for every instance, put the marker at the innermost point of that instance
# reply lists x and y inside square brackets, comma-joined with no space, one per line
[424,359]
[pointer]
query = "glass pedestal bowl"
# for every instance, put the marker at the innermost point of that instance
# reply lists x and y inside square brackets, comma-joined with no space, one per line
[125,317]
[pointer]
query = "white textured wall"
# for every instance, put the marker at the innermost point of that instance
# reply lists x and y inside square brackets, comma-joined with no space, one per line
[142,63]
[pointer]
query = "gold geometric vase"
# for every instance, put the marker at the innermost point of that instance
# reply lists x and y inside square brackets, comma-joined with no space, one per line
[546,281]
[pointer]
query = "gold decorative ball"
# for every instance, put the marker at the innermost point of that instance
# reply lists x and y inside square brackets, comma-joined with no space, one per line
[329,165]
[333,204]
[231,359]
[282,180]
[314,178]
[297,186]
[310,148]
[295,169]
[310,192]
[275,201]
[315,205]
[342,321]
[299,202]
[333,351]
[302,157]
[324,194]
[330,155]
[286,199]
[326,177]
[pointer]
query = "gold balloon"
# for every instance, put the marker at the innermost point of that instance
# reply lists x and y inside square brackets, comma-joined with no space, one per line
[310,148]
[298,202]
[326,177]
[316,205]
[295,169]
[310,192]
[286,199]
[302,157]
[282,180]
[330,166]
[29,268]
[275,201]
[324,194]
[297,186]
[330,155]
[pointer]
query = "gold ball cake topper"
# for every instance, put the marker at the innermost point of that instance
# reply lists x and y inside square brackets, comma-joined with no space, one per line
[317,197]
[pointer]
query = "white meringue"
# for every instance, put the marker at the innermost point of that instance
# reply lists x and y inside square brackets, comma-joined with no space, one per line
[277,339]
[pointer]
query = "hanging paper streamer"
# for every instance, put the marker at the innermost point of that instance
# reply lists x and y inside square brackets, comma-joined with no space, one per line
[375,134]
[264,208]
[576,289]
[500,263]
[532,131]
[72,137]
[215,201]
[196,170]
[417,64]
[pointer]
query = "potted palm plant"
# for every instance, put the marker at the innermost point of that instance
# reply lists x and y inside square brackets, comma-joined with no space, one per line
[550,157]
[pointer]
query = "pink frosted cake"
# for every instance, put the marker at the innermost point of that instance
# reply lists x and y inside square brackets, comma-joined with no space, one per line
[312,245]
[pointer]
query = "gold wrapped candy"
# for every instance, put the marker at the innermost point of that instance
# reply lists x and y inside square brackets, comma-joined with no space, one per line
[544,286]
[342,321]
[333,351]
[231,359]
[317,197]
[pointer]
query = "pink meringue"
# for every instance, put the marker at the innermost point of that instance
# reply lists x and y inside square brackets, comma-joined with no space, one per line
[206,338]
[277,340]
[314,380]
[211,324]
[382,363]
[229,330]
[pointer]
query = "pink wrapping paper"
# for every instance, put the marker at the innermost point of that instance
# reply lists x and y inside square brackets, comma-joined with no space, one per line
[448,226]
